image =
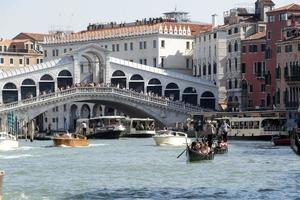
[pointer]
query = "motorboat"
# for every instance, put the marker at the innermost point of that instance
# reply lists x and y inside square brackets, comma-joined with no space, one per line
[69,140]
[139,127]
[8,141]
[106,127]
[281,140]
[174,138]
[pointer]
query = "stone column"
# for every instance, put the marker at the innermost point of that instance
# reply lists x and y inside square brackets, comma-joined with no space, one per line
[76,68]
[19,94]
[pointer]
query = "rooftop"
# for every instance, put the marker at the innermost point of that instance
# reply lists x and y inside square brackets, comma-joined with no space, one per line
[256,36]
[289,7]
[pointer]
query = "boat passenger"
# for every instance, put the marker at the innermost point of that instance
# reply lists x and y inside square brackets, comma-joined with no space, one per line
[84,126]
[224,128]
[211,130]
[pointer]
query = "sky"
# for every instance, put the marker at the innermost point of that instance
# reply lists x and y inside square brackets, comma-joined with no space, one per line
[40,16]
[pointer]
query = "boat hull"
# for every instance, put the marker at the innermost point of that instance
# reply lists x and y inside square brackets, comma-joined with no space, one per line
[70,142]
[193,156]
[295,142]
[138,135]
[281,141]
[109,134]
[260,138]
[8,144]
[171,140]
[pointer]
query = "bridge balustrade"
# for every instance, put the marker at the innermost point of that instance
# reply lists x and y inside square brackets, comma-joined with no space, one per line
[106,90]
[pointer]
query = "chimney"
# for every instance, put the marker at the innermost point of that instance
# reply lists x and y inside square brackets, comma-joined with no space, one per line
[214,20]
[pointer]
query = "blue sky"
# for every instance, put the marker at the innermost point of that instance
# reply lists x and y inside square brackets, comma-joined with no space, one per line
[42,15]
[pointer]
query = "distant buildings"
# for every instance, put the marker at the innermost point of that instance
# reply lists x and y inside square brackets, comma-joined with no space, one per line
[22,50]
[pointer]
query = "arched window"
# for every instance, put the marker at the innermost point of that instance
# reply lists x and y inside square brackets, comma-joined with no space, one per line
[46,77]
[9,93]
[28,89]
[119,79]
[118,73]
[154,86]
[9,86]
[136,77]
[28,82]
[208,100]
[235,83]
[65,73]
[190,96]
[236,46]
[137,83]
[64,79]
[172,86]
[46,84]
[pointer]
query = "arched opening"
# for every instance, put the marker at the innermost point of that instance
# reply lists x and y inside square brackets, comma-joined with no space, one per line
[97,110]
[172,91]
[74,114]
[190,96]
[46,84]
[208,100]
[137,83]
[154,86]
[64,79]
[28,89]
[118,79]
[85,111]
[9,93]
[109,111]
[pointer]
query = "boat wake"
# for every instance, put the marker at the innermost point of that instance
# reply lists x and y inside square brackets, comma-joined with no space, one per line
[97,145]
[2,157]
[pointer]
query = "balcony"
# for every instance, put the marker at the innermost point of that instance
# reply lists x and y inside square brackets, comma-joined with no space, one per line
[292,80]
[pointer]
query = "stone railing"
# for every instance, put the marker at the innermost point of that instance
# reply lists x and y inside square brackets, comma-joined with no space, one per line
[79,91]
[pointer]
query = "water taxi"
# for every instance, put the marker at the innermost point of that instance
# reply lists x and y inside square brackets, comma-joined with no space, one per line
[140,127]
[8,141]
[106,127]
[173,138]
[70,140]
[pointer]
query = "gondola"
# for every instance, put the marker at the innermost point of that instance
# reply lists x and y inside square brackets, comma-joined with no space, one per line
[221,148]
[295,141]
[193,155]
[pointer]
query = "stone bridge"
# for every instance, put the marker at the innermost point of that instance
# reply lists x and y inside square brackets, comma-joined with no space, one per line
[138,92]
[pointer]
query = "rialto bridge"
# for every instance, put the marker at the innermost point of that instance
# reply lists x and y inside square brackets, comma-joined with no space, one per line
[90,77]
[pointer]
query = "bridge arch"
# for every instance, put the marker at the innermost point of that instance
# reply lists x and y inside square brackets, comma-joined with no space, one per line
[9,93]
[28,89]
[74,114]
[190,96]
[64,79]
[85,111]
[172,91]
[137,83]
[119,78]
[46,84]
[154,85]
[208,100]
[97,110]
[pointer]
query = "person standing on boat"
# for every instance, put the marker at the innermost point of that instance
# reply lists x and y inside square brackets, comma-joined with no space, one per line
[224,128]
[84,128]
[211,130]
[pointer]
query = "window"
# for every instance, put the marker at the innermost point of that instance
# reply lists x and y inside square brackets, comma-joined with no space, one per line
[113,47]
[70,49]
[187,45]
[243,68]
[81,68]
[141,45]
[5,48]
[41,60]
[154,62]
[298,46]
[37,61]
[215,68]
[45,53]
[236,46]
[252,48]
[145,61]
[56,51]
[145,44]
[53,52]
[154,44]
[1,60]
[263,88]
[271,18]
[229,47]
[105,46]
[236,30]
[20,61]
[11,61]
[27,61]
[229,32]
[283,17]
[56,108]
[251,88]
[269,36]
[131,46]
[65,107]
[259,69]
[244,49]
[215,35]
[162,44]
[0,48]
[31,46]
[46,119]
[53,120]
[65,50]
[118,47]
[141,61]
[229,84]
[125,47]
[288,48]
[263,47]
[187,62]
[162,61]
[278,49]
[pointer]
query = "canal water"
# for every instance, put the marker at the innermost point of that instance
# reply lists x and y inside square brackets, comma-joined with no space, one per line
[136,169]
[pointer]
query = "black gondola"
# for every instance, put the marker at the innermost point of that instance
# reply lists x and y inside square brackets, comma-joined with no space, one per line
[221,150]
[193,156]
[295,141]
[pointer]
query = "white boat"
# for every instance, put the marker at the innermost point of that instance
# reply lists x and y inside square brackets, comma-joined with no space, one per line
[173,138]
[8,141]
[140,127]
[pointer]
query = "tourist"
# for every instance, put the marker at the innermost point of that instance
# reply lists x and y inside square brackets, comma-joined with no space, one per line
[224,128]
[84,126]
[211,130]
